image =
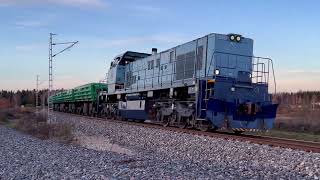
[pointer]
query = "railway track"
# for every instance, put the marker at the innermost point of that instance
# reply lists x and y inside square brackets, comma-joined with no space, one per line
[263,140]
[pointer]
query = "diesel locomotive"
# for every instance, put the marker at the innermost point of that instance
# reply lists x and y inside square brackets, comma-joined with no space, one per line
[213,82]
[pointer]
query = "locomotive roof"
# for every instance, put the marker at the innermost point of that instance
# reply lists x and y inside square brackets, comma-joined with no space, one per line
[130,55]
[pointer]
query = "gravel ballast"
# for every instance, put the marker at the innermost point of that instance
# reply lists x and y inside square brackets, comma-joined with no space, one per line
[154,154]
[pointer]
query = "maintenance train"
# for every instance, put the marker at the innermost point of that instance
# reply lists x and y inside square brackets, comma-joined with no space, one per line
[213,82]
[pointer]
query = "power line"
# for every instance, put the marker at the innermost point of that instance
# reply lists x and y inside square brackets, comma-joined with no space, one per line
[38,83]
[51,56]
[37,93]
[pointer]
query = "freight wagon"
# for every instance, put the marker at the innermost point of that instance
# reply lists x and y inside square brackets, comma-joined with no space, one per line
[81,100]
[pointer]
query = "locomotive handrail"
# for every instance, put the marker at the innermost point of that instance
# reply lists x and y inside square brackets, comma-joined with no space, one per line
[257,57]
[274,78]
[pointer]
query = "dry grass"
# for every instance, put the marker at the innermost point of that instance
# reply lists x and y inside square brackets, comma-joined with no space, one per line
[293,135]
[6,115]
[303,120]
[27,121]
[38,126]
[3,118]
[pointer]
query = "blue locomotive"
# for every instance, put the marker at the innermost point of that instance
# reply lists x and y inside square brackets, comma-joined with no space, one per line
[213,82]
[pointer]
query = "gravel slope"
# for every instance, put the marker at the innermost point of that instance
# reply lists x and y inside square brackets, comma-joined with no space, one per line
[25,157]
[156,154]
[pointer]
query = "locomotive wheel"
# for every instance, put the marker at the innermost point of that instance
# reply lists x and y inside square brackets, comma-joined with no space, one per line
[166,121]
[214,128]
[182,122]
[118,117]
[110,116]
[158,116]
[113,116]
[204,126]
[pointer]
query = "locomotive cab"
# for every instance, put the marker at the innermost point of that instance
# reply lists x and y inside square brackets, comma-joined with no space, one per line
[116,74]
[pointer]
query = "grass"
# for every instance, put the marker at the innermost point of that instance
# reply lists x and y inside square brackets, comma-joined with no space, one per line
[3,118]
[5,115]
[299,120]
[290,135]
[36,125]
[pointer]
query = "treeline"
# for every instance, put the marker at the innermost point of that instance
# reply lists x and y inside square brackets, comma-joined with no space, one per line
[24,97]
[28,97]
[310,99]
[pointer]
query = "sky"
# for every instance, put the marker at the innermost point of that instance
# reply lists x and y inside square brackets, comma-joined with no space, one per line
[286,31]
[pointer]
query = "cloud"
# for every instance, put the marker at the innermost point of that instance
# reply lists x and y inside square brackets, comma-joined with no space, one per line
[26,24]
[71,3]
[148,40]
[69,81]
[5,3]
[298,84]
[44,20]
[145,9]
[298,73]
[303,72]
[30,47]
[298,79]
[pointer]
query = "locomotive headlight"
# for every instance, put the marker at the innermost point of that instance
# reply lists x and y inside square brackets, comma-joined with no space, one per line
[235,37]
[217,71]
[232,37]
[238,38]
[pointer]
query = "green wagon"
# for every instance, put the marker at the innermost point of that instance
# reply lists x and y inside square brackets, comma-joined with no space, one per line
[88,92]
[81,100]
